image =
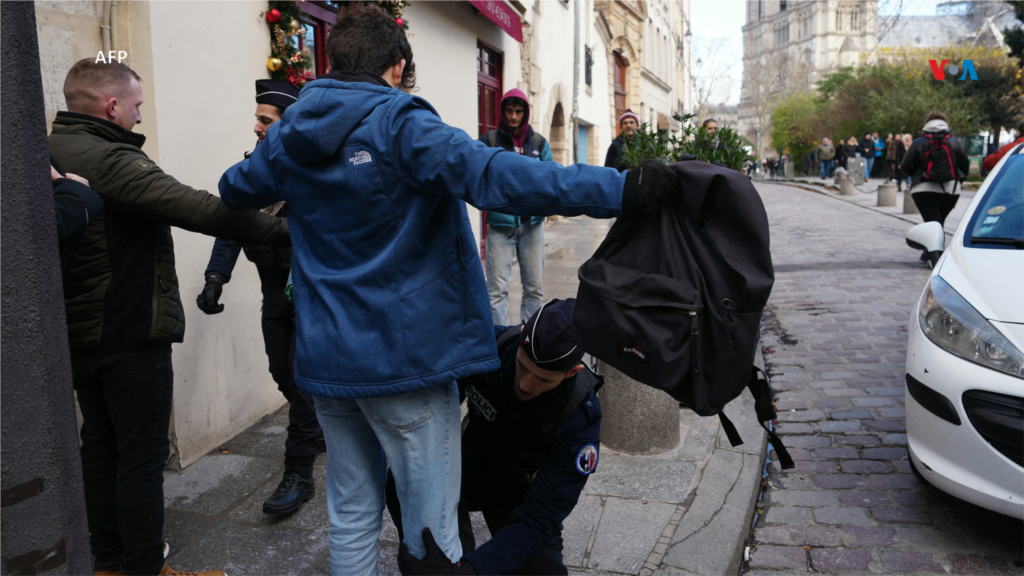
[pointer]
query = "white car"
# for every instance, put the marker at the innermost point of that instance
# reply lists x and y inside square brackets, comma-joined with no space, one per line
[965,365]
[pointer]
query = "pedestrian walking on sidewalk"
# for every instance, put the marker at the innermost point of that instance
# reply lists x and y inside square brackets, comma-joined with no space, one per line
[511,237]
[937,163]
[890,157]
[879,163]
[826,156]
[866,149]
[907,141]
[901,143]
[277,319]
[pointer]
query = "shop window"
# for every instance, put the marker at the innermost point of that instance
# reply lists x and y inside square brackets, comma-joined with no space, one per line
[488,83]
[317,19]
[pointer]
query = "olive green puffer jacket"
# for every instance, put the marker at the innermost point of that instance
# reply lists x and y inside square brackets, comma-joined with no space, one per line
[120,287]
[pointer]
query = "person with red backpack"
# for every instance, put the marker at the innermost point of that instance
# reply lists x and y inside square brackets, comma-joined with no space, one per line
[937,163]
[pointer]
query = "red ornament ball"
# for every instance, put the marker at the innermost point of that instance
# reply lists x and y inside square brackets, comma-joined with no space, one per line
[399,21]
[273,16]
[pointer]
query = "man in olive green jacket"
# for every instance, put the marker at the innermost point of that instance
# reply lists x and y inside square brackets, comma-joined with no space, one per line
[124,310]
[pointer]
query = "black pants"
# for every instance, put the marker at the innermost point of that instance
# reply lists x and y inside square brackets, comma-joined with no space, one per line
[278,323]
[125,399]
[935,206]
[497,515]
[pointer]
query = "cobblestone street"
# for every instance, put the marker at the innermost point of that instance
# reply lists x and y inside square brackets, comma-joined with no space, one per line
[835,342]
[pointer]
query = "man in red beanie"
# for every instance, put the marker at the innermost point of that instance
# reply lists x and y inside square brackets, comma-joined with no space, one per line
[511,236]
[628,124]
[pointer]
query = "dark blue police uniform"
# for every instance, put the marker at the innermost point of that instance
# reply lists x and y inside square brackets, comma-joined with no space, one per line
[524,465]
[273,263]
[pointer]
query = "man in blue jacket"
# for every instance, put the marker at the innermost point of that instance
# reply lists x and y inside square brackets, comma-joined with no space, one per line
[531,443]
[390,303]
[509,236]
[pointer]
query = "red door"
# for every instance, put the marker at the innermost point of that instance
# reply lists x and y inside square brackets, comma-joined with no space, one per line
[620,90]
[488,88]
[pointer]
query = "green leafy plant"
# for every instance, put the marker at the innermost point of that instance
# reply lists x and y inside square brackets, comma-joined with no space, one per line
[724,147]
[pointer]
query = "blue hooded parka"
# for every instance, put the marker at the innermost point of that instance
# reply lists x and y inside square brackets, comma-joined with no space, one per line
[389,292]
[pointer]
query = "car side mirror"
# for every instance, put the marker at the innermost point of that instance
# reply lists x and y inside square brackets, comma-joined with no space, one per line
[929,237]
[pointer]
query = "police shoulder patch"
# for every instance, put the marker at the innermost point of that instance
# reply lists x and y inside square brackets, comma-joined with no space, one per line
[586,459]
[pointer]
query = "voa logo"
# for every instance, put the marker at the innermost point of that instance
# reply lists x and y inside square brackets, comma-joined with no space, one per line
[943,72]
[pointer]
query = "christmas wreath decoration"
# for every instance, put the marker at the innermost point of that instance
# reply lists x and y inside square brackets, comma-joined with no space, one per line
[284,18]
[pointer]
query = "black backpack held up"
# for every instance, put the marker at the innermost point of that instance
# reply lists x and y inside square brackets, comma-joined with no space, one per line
[674,299]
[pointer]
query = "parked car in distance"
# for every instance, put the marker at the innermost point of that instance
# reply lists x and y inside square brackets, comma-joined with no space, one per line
[965,365]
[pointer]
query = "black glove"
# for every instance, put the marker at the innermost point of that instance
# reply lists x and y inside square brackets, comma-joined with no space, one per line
[207,299]
[648,188]
[434,562]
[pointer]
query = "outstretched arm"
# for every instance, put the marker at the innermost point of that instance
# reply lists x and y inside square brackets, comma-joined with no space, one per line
[431,156]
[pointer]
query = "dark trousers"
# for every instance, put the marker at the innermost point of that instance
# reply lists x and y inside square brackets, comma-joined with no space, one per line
[935,206]
[876,168]
[125,398]
[278,321]
[497,510]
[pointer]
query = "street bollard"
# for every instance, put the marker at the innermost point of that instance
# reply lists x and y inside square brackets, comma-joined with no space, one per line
[846,186]
[887,195]
[856,170]
[636,418]
[909,206]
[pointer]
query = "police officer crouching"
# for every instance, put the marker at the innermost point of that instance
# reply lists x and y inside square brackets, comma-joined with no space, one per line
[529,444]
[273,262]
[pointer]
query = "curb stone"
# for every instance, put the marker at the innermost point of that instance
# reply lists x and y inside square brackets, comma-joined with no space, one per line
[694,522]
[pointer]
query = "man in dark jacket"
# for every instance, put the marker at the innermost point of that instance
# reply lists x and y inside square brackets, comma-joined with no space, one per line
[866,148]
[511,236]
[273,262]
[530,444]
[629,123]
[123,309]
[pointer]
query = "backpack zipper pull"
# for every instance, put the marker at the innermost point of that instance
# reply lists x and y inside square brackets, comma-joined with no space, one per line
[693,323]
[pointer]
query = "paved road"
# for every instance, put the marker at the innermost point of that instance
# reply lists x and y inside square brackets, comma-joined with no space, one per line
[836,343]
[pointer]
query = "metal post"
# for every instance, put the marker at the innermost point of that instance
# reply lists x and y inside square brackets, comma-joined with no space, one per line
[43,504]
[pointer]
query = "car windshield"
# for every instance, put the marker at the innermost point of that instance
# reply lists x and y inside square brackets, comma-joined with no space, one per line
[999,220]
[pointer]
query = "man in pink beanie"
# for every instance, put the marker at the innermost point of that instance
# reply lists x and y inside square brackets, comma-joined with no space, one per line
[628,124]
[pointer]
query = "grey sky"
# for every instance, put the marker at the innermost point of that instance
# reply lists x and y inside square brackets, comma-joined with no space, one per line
[713,19]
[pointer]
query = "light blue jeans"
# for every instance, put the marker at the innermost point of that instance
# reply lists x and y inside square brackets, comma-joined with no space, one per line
[868,163]
[419,435]
[504,243]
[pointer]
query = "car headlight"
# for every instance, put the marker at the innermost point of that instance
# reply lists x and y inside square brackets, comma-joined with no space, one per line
[955,326]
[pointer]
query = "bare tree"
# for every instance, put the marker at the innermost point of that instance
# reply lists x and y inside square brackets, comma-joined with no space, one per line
[711,79]
[767,77]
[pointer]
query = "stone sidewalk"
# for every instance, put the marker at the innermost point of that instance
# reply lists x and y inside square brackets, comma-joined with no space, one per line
[684,512]
[836,333]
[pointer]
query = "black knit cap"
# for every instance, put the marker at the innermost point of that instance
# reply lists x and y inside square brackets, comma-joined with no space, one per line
[278,93]
[546,338]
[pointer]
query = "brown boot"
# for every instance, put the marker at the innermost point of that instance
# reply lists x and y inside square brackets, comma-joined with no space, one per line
[168,571]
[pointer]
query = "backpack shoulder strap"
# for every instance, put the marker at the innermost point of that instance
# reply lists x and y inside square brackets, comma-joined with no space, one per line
[507,335]
[538,141]
[758,386]
[492,138]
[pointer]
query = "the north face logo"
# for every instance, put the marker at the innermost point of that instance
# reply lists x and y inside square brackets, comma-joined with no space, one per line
[361,157]
[634,351]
